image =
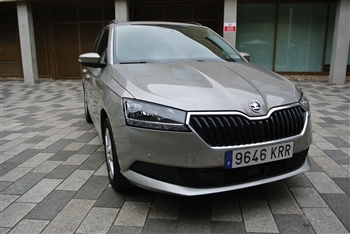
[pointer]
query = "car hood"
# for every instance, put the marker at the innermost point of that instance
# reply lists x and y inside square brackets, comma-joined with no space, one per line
[206,86]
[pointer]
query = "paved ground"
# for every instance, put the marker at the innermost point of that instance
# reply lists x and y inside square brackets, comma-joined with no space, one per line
[53,176]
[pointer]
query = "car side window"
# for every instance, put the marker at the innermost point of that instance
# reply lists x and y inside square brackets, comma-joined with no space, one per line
[101,44]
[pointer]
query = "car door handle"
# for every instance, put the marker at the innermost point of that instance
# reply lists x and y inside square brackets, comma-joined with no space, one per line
[87,76]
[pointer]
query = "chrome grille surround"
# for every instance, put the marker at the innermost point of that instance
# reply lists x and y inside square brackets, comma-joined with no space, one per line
[220,130]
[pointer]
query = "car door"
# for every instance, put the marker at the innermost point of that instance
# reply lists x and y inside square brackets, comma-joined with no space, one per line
[92,77]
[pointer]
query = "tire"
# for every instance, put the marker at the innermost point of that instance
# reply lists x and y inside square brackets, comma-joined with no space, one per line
[86,110]
[117,180]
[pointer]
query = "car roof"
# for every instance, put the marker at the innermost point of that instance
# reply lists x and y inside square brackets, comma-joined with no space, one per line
[115,22]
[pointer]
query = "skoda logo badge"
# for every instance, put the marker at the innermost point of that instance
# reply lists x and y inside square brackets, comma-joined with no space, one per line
[255,106]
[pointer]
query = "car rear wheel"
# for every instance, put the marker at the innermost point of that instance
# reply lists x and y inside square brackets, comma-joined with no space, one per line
[117,180]
[86,110]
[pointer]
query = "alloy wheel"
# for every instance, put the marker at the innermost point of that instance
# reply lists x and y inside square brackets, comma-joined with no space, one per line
[109,154]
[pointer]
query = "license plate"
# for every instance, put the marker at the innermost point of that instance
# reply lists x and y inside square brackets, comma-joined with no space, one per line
[258,155]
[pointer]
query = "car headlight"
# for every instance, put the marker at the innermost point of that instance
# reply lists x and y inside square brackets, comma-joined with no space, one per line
[149,115]
[304,101]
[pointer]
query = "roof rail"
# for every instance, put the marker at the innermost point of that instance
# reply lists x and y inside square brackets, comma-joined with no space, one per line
[195,23]
[113,21]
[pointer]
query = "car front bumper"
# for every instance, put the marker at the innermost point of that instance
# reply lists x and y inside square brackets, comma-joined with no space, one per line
[160,186]
[169,162]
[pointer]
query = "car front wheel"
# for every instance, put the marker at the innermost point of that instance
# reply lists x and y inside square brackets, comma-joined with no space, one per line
[117,180]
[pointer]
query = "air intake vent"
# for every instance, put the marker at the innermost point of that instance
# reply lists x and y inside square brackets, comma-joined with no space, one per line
[232,130]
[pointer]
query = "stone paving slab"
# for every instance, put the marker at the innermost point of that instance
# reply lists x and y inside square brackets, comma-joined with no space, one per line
[53,178]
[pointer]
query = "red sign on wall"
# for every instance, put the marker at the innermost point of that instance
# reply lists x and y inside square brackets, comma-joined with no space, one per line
[230,27]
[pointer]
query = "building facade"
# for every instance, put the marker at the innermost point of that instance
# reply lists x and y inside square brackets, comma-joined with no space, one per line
[43,39]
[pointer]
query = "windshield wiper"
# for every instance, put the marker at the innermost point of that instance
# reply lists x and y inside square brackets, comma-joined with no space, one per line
[133,62]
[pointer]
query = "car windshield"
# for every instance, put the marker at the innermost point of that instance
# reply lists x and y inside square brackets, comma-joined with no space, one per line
[170,43]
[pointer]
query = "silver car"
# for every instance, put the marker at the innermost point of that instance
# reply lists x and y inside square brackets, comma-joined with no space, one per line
[181,111]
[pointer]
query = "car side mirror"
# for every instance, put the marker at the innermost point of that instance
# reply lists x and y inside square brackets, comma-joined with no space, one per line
[91,60]
[245,55]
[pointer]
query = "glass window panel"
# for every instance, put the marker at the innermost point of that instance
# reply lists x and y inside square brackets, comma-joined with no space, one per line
[179,12]
[88,34]
[38,16]
[64,15]
[90,14]
[108,13]
[256,32]
[8,15]
[206,11]
[301,30]
[8,35]
[148,12]
[330,34]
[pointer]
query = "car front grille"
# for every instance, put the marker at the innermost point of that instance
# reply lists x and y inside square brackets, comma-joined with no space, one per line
[231,130]
[218,176]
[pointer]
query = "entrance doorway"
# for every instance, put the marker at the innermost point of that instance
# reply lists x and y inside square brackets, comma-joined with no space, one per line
[63,33]
[10,49]
[74,33]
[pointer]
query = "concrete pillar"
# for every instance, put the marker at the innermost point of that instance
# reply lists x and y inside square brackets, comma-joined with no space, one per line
[27,40]
[341,41]
[121,10]
[230,16]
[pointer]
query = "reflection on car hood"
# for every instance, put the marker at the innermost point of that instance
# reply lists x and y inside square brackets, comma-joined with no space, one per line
[206,86]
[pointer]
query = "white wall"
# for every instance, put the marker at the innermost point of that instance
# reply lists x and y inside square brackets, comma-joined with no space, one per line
[27,41]
[230,15]
[341,41]
[121,10]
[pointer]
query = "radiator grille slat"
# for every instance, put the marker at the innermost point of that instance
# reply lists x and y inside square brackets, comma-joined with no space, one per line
[232,130]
